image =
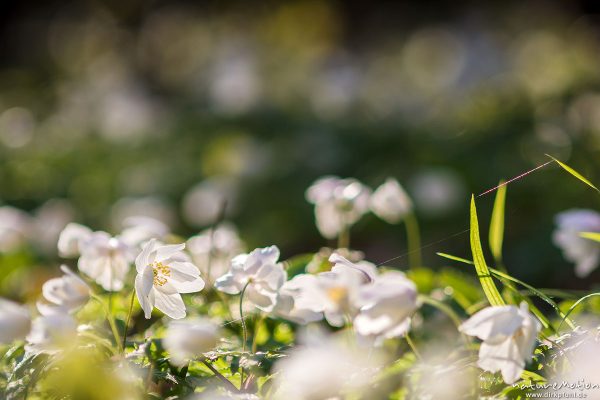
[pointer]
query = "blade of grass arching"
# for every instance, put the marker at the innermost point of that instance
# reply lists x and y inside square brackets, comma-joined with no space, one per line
[574,173]
[595,236]
[574,306]
[483,272]
[504,276]
[496,234]
[536,292]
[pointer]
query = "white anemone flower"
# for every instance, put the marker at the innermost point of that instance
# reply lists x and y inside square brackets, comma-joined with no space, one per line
[387,305]
[390,202]
[64,294]
[188,339]
[583,252]
[214,248]
[15,321]
[105,259]
[260,273]
[339,203]
[509,334]
[289,308]
[163,273]
[70,238]
[335,293]
[51,333]
[140,229]
[324,367]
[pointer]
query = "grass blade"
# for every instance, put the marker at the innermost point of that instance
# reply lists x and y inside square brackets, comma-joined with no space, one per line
[574,173]
[496,235]
[483,272]
[595,236]
[574,306]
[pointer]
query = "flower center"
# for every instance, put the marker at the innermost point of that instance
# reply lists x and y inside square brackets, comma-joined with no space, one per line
[337,294]
[161,273]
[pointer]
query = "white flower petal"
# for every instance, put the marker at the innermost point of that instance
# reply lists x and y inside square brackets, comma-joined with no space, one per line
[143,288]
[170,304]
[493,323]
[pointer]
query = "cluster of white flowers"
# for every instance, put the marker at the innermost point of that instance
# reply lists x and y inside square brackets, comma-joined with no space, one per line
[340,203]
[355,296]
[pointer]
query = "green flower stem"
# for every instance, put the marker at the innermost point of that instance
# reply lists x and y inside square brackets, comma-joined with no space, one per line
[228,384]
[343,240]
[414,240]
[244,329]
[111,321]
[259,322]
[128,320]
[412,346]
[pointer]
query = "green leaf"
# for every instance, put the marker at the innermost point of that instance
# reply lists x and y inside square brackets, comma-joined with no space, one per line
[496,235]
[483,272]
[574,173]
[595,236]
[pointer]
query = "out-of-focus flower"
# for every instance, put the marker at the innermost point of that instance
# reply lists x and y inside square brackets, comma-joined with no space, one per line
[214,248]
[387,304]
[105,259]
[258,272]
[509,334]
[323,368]
[437,190]
[140,229]
[339,203]
[203,204]
[65,294]
[15,321]
[187,339]
[335,293]
[163,273]
[390,202]
[288,308]
[50,333]
[14,228]
[69,240]
[49,221]
[583,252]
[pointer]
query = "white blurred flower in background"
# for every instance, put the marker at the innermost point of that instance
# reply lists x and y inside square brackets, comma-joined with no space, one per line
[64,294]
[15,321]
[583,252]
[189,338]
[14,228]
[203,204]
[259,273]
[70,239]
[139,229]
[437,191]
[390,202]
[163,273]
[51,333]
[105,259]
[48,222]
[509,334]
[387,304]
[339,203]
[214,248]
[323,367]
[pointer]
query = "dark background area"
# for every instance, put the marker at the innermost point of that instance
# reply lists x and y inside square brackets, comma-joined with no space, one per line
[114,106]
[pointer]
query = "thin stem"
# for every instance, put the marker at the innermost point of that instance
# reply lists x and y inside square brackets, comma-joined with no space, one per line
[128,320]
[414,240]
[412,346]
[111,321]
[244,330]
[225,381]
[344,237]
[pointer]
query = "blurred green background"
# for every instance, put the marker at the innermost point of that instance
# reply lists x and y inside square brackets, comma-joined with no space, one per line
[115,108]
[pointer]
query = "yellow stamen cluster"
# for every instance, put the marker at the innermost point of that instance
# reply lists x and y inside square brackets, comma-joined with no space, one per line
[161,272]
[337,294]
